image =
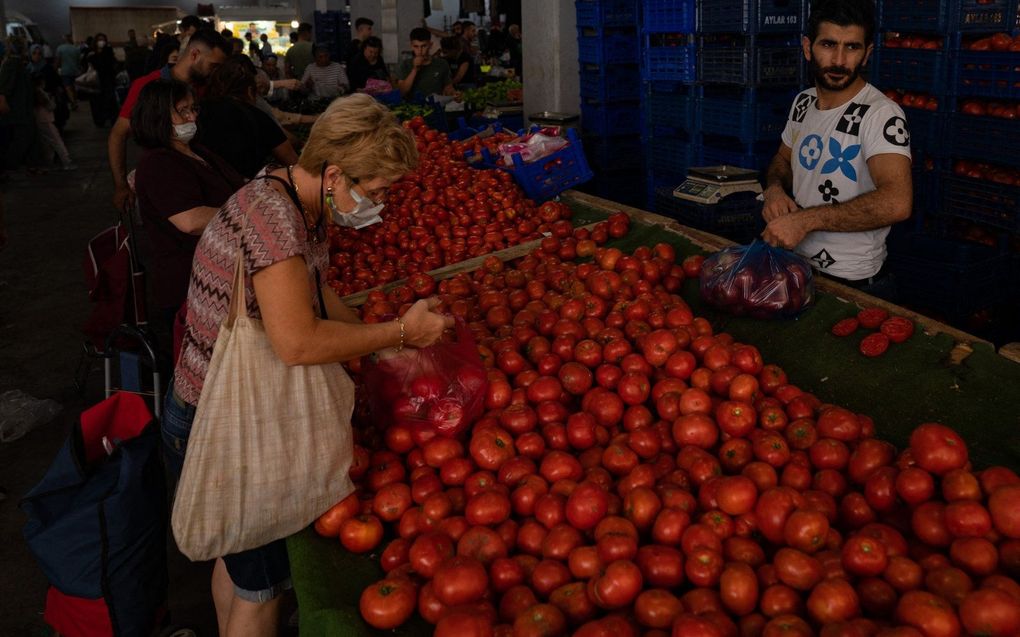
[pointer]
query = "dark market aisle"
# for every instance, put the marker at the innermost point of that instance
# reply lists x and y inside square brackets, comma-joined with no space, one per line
[43,302]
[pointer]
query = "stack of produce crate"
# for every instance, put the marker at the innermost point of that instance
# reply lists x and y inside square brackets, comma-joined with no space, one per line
[608,56]
[668,74]
[953,57]
[749,68]
[333,30]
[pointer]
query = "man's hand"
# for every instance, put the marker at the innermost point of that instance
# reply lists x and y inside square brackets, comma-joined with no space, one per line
[422,60]
[123,198]
[290,85]
[786,231]
[777,204]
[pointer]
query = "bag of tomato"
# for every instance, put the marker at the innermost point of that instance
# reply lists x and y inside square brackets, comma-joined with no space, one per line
[435,390]
[757,280]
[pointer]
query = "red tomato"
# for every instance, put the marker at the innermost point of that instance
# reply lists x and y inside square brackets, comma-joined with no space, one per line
[870,318]
[937,448]
[845,327]
[897,328]
[388,603]
[460,580]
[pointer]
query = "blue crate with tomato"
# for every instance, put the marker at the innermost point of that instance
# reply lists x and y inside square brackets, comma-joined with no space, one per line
[751,17]
[987,66]
[951,277]
[926,119]
[606,13]
[982,192]
[669,16]
[749,61]
[985,130]
[909,16]
[911,63]
[983,15]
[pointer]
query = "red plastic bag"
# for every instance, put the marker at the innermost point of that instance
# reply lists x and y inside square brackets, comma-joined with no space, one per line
[441,387]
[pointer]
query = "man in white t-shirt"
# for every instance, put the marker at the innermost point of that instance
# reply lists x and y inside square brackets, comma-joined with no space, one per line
[845,156]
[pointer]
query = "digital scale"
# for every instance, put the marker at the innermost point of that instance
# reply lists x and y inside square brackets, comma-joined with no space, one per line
[713,184]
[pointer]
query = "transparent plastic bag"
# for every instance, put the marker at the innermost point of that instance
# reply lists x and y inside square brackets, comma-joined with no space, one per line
[440,388]
[757,280]
[21,413]
[532,147]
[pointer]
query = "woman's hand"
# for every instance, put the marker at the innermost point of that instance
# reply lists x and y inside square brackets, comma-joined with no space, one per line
[422,326]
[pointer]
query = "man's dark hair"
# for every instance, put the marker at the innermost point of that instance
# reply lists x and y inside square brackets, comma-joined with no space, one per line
[211,39]
[372,41]
[304,29]
[845,13]
[227,34]
[234,78]
[321,48]
[151,121]
[189,21]
[363,22]
[161,51]
[420,34]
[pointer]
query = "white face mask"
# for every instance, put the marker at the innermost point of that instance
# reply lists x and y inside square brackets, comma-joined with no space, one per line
[100,44]
[365,213]
[185,132]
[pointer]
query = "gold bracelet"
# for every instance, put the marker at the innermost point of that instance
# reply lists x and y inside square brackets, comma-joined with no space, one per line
[401,324]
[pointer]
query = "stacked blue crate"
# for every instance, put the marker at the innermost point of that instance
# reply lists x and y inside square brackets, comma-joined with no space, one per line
[609,54]
[934,72]
[668,93]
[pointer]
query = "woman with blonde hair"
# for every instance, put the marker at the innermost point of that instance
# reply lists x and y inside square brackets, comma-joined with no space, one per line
[275,226]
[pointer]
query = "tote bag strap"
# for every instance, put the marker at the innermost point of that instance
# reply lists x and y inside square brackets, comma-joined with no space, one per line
[239,295]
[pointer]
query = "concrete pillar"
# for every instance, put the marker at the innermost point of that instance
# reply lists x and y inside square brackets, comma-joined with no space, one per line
[549,43]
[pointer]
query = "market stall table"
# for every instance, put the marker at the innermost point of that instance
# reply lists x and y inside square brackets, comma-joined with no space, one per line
[939,375]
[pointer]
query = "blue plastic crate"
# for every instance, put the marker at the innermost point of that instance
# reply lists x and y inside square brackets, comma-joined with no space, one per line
[670,57]
[544,179]
[607,46]
[985,202]
[392,98]
[750,62]
[926,174]
[670,113]
[670,155]
[990,139]
[737,218]
[610,83]
[746,121]
[927,129]
[605,119]
[911,70]
[915,16]
[717,151]
[983,15]
[955,278]
[617,153]
[606,13]
[669,16]
[751,16]
[986,74]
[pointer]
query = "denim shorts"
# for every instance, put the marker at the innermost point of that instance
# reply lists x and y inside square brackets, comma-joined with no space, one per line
[258,574]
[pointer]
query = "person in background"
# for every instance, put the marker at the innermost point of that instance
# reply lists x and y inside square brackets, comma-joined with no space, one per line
[844,157]
[469,32]
[265,48]
[362,32]
[187,28]
[136,55]
[495,43]
[206,51]
[423,73]
[165,52]
[368,64]
[104,102]
[180,186]
[69,57]
[234,128]
[254,52]
[325,78]
[17,104]
[50,143]
[461,64]
[515,50]
[300,54]
[45,75]
[227,34]
[275,228]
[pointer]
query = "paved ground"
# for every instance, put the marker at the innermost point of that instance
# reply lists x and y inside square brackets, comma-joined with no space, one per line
[43,303]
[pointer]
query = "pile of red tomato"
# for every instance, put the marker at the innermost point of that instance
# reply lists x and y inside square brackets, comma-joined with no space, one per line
[637,473]
[890,329]
[900,41]
[996,42]
[987,172]
[906,99]
[991,108]
[441,213]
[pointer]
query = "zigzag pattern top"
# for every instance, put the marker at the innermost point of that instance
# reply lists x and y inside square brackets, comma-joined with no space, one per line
[267,227]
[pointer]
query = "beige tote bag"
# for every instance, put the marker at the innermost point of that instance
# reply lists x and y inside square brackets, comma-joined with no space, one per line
[270,448]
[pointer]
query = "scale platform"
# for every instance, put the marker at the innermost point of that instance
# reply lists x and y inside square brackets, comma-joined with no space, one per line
[712,184]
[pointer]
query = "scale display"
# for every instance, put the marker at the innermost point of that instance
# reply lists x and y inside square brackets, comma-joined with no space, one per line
[712,184]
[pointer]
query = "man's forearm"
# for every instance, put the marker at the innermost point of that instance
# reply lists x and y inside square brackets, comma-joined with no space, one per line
[117,149]
[405,85]
[779,174]
[875,209]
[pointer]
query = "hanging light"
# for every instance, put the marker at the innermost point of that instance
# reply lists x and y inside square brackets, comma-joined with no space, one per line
[294,24]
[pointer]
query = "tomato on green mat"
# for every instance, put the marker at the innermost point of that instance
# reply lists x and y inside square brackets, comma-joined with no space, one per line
[846,327]
[872,317]
[874,344]
[897,328]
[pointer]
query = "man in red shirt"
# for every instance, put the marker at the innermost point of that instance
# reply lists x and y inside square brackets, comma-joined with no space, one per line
[205,52]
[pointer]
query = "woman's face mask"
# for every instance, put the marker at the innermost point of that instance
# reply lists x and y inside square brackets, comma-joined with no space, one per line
[185,132]
[365,213]
[100,44]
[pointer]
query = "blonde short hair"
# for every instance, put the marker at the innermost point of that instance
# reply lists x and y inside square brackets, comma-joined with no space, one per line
[363,138]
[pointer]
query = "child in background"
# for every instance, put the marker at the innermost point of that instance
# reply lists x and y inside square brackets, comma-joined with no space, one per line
[49,137]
